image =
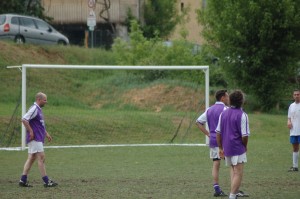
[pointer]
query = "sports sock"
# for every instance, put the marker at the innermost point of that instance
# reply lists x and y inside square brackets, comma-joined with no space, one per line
[295,159]
[24,178]
[232,196]
[46,179]
[217,188]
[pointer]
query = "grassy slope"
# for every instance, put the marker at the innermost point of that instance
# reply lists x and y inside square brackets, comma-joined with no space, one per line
[10,87]
[97,93]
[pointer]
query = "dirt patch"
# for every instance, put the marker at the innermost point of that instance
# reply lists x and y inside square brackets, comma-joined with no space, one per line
[162,96]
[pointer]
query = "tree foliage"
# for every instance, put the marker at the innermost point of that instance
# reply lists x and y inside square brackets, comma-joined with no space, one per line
[160,17]
[257,42]
[26,7]
[142,51]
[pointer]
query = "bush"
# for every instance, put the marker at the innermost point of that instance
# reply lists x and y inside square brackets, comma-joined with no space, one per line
[142,51]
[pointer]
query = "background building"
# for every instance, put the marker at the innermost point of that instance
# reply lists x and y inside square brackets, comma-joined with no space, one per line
[71,16]
[192,26]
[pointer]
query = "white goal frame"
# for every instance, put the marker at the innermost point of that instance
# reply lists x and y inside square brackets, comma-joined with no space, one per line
[23,68]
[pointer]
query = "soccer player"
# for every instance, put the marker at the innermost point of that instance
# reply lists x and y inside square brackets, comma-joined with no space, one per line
[211,116]
[293,124]
[34,123]
[232,138]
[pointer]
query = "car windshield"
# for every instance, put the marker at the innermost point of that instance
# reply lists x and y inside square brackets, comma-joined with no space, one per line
[2,19]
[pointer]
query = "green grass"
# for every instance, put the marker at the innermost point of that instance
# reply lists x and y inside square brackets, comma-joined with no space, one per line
[158,172]
[148,172]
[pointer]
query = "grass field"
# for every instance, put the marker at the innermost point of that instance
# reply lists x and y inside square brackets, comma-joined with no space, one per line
[127,172]
[157,172]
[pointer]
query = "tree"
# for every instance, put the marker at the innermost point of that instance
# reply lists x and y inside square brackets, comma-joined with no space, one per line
[142,51]
[160,18]
[257,42]
[13,6]
[26,7]
[34,8]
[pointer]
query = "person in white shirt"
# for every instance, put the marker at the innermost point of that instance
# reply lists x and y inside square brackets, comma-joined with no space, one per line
[293,124]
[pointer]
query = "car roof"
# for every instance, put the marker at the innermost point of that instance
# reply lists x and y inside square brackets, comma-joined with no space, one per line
[20,15]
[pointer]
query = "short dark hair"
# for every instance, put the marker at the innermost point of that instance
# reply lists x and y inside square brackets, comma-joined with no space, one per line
[219,94]
[296,90]
[236,98]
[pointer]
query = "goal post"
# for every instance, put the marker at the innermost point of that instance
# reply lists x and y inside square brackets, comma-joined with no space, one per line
[24,67]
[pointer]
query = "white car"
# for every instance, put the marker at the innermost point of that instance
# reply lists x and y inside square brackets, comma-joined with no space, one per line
[27,29]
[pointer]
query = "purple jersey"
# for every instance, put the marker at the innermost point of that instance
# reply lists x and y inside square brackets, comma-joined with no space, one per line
[233,125]
[211,116]
[36,121]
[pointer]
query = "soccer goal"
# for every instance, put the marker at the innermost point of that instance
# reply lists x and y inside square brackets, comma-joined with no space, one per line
[90,105]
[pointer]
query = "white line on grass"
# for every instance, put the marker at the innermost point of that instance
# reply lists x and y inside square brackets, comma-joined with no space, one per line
[101,145]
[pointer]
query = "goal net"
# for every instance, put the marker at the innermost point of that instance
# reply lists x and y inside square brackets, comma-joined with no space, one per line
[117,105]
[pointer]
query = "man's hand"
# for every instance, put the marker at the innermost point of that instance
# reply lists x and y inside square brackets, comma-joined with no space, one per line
[203,129]
[289,125]
[48,137]
[29,129]
[31,135]
[221,153]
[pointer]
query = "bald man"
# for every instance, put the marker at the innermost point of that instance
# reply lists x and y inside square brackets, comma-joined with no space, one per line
[36,133]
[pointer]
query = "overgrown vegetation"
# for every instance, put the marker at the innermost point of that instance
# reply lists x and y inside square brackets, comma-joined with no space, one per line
[257,43]
[160,18]
[142,51]
[26,7]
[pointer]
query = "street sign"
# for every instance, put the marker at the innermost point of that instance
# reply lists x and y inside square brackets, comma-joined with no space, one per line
[91,20]
[91,3]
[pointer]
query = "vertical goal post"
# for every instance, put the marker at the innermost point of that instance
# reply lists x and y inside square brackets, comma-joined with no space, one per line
[23,68]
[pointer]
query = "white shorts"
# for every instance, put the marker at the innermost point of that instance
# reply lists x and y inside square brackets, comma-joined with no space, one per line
[35,147]
[234,160]
[214,153]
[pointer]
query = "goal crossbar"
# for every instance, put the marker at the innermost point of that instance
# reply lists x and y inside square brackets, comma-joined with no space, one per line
[108,67]
[23,68]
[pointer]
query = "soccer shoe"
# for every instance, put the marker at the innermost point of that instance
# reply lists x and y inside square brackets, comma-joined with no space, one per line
[50,184]
[220,194]
[24,184]
[293,169]
[242,194]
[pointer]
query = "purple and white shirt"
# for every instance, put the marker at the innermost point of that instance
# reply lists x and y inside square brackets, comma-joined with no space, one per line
[233,125]
[36,121]
[211,116]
